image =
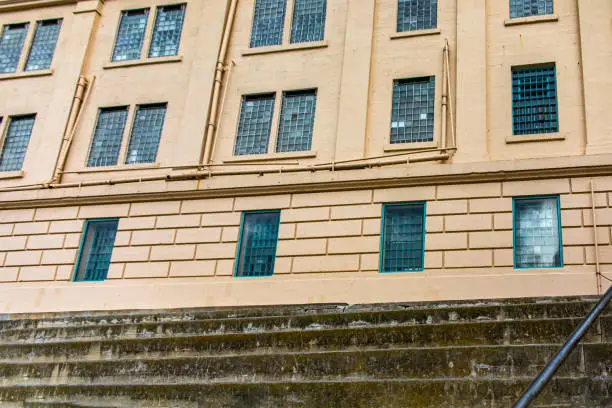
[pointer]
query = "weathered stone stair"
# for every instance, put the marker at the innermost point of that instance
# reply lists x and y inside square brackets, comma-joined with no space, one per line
[463,354]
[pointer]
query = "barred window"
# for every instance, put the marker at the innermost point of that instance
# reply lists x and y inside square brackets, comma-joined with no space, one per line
[11,45]
[107,137]
[537,233]
[16,142]
[254,124]
[268,23]
[527,8]
[43,45]
[296,121]
[167,31]
[96,250]
[413,15]
[308,21]
[412,114]
[146,132]
[130,35]
[258,240]
[403,237]
[534,100]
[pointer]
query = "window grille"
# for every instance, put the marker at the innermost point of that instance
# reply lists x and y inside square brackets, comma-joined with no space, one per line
[537,233]
[534,100]
[527,8]
[259,237]
[11,45]
[403,238]
[107,137]
[146,133]
[167,31]
[413,15]
[43,45]
[130,35]
[96,250]
[268,23]
[254,125]
[308,21]
[296,121]
[412,115]
[16,142]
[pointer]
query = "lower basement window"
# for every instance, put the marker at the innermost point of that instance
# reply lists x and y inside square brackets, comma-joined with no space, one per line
[403,238]
[96,250]
[257,245]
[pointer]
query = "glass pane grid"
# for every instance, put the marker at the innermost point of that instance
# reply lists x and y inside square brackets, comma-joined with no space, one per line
[103,240]
[527,8]
[11,44]
[258,244]
[536,233]
[146,133]
[534,100]
[108,134]
[43,45]
[296,122]
[130,35]
[308,21]
[167,31]
[16,143]
[413,15]
[268,23]
[254,125]
[403,238]
[412,115]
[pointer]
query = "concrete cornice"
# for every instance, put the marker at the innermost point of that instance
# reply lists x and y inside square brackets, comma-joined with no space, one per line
[13,5]
[199,185]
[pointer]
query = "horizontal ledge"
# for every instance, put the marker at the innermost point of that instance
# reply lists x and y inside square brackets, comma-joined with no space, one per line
[546,137]
[418,33]
[126,167]
[6,175]
[410,146]
[285,48]
[26,74]
[531,20]
[148,61]
[271,157]
[14,5]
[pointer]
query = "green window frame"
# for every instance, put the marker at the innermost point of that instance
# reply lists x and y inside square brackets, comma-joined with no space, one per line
[537,232]
[96,250]
[257,244]
[402,238]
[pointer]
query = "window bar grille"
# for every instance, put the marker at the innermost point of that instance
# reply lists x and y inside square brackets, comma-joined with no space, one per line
[96,250]
[16,142]
[130,35]
[403,238]
[167,31]
[412,115]
[255,124]
[308,21]
[296,121]
[43,45]
[534,100]
[106,142]
[258,241]
[528,8]
[268,23]
[11,45]
[413,15]
[146,133]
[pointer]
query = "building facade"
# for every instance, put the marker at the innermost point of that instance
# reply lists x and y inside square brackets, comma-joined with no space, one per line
[160,154]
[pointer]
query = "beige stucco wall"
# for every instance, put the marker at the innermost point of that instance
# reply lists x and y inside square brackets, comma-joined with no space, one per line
[178,232]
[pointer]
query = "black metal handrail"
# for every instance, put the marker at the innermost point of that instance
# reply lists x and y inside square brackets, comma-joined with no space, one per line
[551,368]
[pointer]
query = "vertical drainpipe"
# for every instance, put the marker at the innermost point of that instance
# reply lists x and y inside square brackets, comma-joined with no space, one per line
[595,238]
[443,131]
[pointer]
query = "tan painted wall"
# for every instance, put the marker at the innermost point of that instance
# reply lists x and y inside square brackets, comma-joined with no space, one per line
[178,235]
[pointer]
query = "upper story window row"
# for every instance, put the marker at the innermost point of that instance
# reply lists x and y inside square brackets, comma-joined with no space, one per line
[17,131]
[529,8]
[41,45]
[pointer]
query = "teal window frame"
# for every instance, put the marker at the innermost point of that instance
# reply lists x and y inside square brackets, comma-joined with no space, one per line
[75,274]
[559,226]
[382,236]
[240,243]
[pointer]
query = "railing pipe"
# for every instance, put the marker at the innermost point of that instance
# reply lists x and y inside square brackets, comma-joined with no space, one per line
[536,387]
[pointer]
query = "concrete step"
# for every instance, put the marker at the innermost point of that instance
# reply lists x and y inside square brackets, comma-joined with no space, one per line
[358,393]
[182,324]
[442,362]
